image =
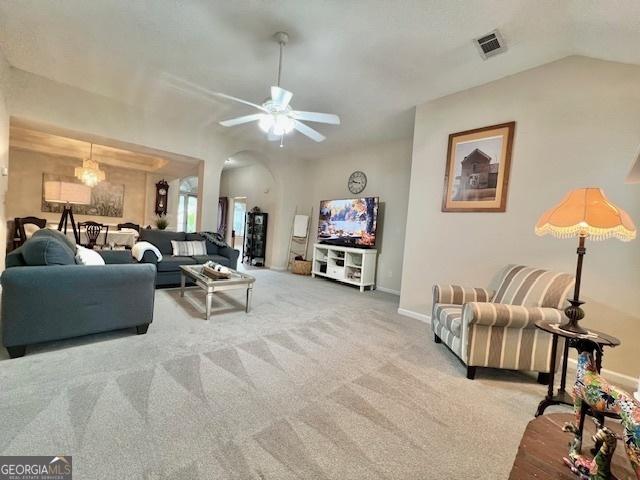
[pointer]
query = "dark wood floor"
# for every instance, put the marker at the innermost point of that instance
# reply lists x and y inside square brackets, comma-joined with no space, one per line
[544,444]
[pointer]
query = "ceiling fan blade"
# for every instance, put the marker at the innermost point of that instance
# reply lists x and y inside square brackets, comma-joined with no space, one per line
[240,120]
[280,97]
[239,100]
[308,131]
[329,118]
[193,88]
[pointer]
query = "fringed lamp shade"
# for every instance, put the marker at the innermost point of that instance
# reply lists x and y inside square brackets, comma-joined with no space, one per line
[586,212]
[583,213]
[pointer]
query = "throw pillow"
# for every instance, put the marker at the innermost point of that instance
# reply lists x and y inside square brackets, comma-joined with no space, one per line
[47,250]
[52,232]
[188,249]
[86,256]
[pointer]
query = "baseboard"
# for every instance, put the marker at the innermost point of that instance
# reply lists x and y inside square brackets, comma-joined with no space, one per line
[627,382]
[415,315]
[388,290]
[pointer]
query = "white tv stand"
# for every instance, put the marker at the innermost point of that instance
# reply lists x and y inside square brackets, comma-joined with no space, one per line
[355,266]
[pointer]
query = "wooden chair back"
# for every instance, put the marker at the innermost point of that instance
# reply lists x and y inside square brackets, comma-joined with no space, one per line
[133,226]
[20,235]
[93,230]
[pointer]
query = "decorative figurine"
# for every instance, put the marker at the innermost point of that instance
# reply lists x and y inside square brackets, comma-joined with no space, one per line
[592,391]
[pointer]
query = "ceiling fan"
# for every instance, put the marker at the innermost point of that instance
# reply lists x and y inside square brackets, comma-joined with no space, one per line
[276,117]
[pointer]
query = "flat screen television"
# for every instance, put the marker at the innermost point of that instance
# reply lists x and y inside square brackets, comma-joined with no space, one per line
[349,222]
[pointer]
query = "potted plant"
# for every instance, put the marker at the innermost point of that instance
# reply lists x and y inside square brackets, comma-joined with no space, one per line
[161,223]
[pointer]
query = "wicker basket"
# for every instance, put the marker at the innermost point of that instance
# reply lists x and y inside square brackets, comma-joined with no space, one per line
[213,274]
[301,267]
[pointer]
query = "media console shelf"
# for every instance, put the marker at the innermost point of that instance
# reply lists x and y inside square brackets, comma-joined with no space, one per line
[355,266]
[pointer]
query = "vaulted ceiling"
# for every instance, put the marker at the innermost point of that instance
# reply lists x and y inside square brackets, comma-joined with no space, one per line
[370,61]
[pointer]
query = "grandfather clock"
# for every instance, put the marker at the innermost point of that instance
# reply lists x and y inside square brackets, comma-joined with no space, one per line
[162,194]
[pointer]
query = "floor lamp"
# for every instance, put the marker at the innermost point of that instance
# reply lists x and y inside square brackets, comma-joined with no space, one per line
[584,213]
[70,194]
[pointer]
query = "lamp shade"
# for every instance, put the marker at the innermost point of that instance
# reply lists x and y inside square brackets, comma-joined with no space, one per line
[586,212]
[66,192]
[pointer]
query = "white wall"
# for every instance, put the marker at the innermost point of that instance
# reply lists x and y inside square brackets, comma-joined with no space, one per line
[256,183]
[387,166]
[38,99]
[150,216]
[4,150]
[578,124]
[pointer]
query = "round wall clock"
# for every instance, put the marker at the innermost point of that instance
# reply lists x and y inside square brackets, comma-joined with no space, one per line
[357,182]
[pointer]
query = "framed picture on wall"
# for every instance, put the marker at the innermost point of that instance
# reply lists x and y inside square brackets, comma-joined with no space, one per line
[477,173]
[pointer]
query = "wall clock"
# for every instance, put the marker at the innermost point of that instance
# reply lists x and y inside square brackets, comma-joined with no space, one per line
[162,194]
[357,182]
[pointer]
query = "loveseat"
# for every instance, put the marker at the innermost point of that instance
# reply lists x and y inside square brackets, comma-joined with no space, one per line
[47,296]
[168,269]
[495,327]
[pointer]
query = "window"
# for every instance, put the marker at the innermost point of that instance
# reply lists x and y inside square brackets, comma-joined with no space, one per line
[239,209]
[188,204]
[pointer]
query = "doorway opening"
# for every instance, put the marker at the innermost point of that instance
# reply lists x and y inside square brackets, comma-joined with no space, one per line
[188,205]
[237,232]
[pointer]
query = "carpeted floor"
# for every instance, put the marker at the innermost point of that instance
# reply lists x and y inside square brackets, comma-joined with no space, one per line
[319,381]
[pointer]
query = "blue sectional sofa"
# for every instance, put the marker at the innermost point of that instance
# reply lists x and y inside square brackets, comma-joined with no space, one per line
[168,269]
[46,296]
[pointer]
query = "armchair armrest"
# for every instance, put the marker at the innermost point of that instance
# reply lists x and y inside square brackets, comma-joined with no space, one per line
[503,315]
[457,295]
[232,254]
[149,257]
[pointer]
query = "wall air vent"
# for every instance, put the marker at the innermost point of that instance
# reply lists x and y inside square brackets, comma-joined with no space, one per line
[490,44]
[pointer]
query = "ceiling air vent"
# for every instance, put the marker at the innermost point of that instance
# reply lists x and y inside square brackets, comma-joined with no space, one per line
[490,44]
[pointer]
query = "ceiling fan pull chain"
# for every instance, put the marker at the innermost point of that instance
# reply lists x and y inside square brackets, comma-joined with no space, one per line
[281,141]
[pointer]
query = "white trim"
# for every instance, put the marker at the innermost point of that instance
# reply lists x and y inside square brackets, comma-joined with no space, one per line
[415,315]
[388,290]
[628,382]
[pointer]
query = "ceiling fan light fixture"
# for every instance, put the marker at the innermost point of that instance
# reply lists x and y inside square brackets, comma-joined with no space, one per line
[282,125]
[266,123]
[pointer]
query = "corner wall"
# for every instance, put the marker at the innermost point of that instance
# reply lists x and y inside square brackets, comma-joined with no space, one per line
[577,124]
[388,168]
[40,100]
[4,150]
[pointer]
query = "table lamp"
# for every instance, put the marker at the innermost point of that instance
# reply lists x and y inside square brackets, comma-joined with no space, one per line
[583,213]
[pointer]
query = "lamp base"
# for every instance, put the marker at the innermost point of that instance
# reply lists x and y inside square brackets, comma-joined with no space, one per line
[574,313]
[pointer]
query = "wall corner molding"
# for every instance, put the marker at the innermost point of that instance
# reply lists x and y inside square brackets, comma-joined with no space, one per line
[423,317]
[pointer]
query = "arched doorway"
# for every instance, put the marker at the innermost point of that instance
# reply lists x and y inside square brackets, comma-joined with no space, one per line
[188,204]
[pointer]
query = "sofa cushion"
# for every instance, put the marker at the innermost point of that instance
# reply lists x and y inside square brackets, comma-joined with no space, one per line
[212,248]
[200,259]
[50,232]
[47,250]
[450,316]
[116,256]
[14,258]
[170,263]
[161,239]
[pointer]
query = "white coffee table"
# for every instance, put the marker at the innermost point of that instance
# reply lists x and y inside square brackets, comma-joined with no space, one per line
[236,281]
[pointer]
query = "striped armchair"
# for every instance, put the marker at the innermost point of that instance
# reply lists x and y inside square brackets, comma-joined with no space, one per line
[495,327]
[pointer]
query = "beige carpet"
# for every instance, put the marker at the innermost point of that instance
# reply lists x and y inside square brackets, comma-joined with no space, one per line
[319,381]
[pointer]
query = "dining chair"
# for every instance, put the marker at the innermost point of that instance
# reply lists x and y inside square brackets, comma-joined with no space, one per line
[20,235]
[93,231]
[133,226]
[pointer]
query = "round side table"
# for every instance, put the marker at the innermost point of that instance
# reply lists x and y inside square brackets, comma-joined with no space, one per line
[570,340]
